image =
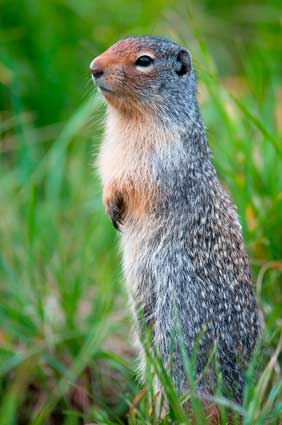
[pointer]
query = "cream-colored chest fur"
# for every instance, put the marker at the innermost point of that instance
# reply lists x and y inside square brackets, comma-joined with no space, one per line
[130,147]
[131,155]
[126,161]
[124,152]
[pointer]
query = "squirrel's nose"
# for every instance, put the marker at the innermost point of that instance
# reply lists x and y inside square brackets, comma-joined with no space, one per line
[96,70]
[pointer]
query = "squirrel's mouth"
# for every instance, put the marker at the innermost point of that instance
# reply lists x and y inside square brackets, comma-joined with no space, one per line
[105,90]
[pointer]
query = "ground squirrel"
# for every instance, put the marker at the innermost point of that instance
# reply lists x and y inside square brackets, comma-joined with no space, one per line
[184,258]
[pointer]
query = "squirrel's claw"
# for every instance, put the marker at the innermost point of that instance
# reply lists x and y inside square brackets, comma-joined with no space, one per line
[116,211]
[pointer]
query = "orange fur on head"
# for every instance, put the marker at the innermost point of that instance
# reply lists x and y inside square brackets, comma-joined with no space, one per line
[121,78]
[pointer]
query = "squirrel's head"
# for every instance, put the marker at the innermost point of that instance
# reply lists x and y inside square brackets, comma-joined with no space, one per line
[145,74]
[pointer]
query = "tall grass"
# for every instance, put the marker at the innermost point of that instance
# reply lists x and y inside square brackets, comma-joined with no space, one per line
[66,355]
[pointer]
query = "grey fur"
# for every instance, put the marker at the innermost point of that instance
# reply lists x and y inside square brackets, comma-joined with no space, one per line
[186,262]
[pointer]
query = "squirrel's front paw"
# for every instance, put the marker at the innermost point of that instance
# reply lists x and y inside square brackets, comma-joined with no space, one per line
[115,209]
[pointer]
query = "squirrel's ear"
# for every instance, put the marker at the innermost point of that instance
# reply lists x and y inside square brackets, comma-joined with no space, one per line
[184,62]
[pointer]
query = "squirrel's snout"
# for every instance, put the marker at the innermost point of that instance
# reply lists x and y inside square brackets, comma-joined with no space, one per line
[96,70]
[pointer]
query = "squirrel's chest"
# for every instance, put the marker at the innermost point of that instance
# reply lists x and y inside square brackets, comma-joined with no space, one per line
[138,165]
[132,151]
[126,172]
[117,162]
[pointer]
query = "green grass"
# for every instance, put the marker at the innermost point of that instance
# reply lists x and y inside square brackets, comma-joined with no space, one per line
[66,354]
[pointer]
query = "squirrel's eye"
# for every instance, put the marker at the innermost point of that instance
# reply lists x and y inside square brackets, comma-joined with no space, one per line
[144,61]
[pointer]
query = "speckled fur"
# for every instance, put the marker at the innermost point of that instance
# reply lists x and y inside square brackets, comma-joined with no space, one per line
[184,258]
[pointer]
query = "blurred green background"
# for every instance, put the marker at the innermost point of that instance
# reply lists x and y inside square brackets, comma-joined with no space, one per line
[66,354]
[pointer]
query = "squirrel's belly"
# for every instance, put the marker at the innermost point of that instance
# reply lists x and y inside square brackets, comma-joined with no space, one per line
[141,241]
[136,245]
